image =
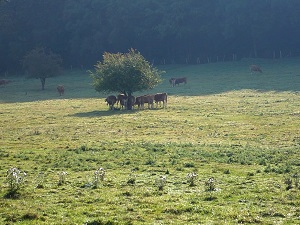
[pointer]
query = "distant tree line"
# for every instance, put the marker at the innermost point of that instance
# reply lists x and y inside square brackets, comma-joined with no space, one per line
[164,31]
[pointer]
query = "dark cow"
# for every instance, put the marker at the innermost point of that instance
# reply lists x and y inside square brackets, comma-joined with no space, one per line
[138,102]
[131,101]
[177,81]
[255,68]
[141,100]
[111,101]
[161,97]
[61,90]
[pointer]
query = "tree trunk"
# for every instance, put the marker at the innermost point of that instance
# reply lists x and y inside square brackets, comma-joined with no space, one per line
[43,81]
[129,101]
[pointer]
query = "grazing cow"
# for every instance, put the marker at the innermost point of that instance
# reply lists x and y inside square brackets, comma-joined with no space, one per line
[61,90]
[255,68]
[141,100]
[111,100]
[131,101]
[161,97]
[177,81]
[4,82]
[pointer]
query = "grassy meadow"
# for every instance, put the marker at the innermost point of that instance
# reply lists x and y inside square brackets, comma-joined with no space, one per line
[226,150]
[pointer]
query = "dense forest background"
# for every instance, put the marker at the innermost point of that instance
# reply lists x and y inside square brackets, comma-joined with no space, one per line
[164,31]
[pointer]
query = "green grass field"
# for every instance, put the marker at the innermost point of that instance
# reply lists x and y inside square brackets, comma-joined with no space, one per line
[240,129]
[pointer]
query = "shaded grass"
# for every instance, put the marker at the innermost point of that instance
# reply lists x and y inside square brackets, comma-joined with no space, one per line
[247,140]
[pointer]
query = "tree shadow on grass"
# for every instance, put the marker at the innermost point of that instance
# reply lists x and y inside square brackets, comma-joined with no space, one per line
[97,113]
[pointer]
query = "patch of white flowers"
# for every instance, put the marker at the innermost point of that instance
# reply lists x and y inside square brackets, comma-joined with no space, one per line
[210,185]
[191,178]
[15,179]
[160,182]
[99,175]
[62,177]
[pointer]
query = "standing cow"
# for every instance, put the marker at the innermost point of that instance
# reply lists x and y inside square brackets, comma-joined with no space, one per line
[61,90]
[177,81]
[125,100]
[255,68]
[141,100]
[122,99]
[111,101]
[161,97]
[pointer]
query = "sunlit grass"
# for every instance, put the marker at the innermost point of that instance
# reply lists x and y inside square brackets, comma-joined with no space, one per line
[247,139]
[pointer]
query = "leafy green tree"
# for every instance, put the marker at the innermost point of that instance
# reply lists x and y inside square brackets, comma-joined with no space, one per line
[41,64]
[125,73]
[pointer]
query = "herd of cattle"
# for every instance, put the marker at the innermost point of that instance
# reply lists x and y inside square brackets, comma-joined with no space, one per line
[121,101]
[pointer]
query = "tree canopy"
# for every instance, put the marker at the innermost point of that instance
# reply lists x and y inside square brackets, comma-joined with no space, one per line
[165,31]
[125,73]
[42,64]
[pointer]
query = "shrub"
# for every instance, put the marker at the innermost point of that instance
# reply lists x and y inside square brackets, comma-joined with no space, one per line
[210,185]
[161,182]
[191,178]
[98,176]
[15,179]
[62,177]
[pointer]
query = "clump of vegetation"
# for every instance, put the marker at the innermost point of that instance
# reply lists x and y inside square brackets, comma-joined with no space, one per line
[62,177]
[191,178]
[160,182]
[98,176]
[131,180]
[288,181]
[40,179]
[15,178]
[210,185]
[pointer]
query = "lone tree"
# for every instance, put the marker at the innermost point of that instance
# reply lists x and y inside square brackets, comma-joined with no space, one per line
[42,64]
[125,73]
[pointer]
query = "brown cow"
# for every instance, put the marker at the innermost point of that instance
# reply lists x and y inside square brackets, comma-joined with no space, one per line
[122,99]
[61,90]
[255,68]
[161,97]
[111,100]
[178,81]
[141,100]
[4,82]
